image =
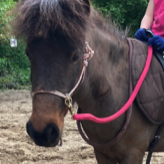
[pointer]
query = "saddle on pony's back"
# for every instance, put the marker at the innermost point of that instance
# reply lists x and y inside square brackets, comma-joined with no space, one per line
[150,97]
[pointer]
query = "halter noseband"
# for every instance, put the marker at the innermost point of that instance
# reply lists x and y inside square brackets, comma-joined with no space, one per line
[67,96]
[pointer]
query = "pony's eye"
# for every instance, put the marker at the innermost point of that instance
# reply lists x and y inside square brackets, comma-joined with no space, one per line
[74,57]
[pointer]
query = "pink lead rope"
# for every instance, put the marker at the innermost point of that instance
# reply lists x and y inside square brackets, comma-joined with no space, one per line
[90,117]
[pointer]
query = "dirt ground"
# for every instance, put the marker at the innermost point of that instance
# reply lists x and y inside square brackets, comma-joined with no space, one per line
[17,148]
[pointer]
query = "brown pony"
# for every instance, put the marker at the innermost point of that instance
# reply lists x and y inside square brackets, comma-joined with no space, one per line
[55,32]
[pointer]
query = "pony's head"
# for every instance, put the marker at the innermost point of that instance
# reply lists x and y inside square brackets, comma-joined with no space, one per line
[55,34]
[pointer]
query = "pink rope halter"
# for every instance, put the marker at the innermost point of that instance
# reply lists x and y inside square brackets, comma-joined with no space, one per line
[67,96]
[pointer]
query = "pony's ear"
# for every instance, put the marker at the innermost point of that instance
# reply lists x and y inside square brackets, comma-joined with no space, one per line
[87,6]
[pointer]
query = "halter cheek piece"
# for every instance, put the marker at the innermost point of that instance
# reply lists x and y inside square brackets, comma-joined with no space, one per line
[67,96]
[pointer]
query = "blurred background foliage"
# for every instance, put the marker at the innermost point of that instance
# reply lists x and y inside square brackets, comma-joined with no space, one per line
[14,65]
[123,12]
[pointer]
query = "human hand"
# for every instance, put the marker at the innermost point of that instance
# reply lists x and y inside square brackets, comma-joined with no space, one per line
[157,43]
[141,35]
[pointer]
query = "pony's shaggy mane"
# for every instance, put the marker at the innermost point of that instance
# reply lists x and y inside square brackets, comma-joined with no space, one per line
[47,18]
[41,18]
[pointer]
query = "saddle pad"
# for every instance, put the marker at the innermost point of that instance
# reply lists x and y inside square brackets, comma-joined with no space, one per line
[150,97]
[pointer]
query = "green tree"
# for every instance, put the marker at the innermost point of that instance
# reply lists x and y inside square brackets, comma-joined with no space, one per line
[123,12]
[14,65]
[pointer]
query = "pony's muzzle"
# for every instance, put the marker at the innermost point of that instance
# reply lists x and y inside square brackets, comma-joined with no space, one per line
[48,137]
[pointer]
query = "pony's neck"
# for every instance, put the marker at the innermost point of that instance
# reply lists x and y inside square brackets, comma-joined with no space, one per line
[106,82]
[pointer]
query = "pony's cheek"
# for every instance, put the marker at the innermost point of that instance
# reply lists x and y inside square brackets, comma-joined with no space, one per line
[64,112]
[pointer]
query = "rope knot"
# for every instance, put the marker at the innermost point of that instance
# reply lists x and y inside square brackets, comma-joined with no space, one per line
[89,52]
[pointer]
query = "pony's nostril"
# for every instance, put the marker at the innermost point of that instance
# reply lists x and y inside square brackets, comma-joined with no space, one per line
[48,137]
[51,133]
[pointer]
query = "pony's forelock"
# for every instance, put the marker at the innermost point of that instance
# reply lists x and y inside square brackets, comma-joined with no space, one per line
[44,18]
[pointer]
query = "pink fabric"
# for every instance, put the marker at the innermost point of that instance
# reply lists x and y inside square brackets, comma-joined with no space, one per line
[158,24]
[128,103]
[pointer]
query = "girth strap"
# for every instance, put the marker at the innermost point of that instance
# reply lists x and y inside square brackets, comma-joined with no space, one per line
[154,143]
